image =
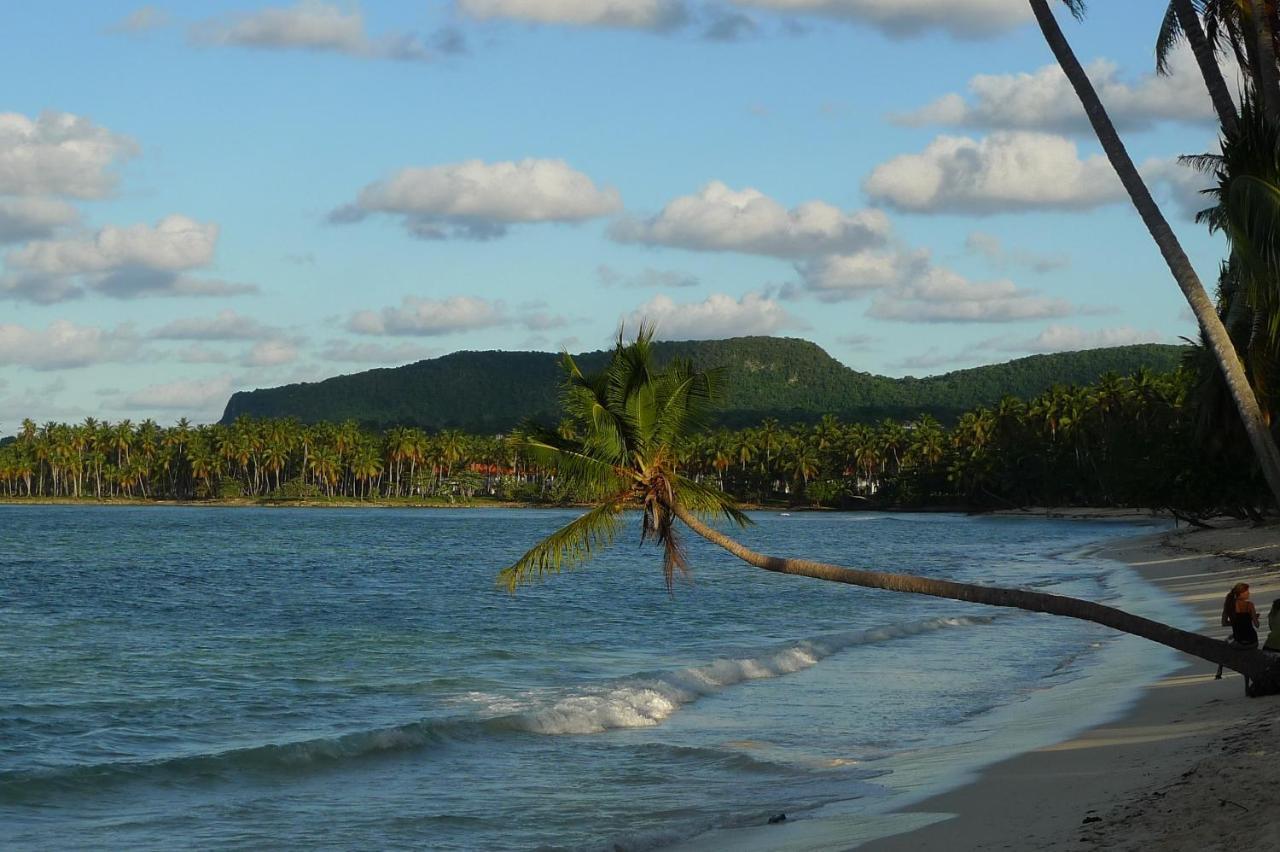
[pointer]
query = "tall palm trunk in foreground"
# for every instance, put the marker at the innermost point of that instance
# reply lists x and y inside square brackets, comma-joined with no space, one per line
[630,422]
[1219,340]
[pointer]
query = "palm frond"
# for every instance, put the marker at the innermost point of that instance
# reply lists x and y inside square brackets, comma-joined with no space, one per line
[707,502]
[1076,7]
[567,547]
[1169,37]
[587,475]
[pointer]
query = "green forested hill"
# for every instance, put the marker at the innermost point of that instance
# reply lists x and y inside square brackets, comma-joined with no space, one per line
[792,380]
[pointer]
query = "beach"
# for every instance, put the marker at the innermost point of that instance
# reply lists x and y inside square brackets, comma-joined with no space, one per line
[1191,766]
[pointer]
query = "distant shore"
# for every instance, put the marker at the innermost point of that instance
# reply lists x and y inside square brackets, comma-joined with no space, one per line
[1192,766]
[1091,513]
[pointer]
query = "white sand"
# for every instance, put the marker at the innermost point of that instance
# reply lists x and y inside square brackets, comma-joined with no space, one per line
[1195,765]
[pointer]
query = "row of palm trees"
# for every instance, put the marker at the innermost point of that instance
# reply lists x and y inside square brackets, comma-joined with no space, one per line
[249,458]
[1131,440]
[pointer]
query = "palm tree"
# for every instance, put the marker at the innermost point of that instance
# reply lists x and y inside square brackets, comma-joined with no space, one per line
[632,419]
[1264,446]
[1183,21]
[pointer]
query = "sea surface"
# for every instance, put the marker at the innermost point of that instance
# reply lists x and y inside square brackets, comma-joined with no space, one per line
[233,678]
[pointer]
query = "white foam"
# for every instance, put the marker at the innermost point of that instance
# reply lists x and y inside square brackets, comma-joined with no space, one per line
[643,702]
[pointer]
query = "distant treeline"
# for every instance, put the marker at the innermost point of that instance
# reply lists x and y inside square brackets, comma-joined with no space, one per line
[1121,441]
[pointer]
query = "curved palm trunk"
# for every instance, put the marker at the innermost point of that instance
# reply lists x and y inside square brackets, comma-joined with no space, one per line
[1253,664]
[1224,351]
[1207,59]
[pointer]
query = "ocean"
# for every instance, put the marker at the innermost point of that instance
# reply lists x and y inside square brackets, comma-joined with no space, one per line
[249,678]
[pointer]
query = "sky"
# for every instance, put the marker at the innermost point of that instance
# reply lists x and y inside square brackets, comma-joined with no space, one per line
[199,198]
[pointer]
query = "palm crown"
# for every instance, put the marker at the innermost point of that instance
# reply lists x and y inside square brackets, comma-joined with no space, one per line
[627,427]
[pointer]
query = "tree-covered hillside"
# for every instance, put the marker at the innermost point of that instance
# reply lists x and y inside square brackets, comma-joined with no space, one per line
[784,378]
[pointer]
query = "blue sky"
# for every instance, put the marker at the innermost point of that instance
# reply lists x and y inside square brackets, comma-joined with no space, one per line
[197,198]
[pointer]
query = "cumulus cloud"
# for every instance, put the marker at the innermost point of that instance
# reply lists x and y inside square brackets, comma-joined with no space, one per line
[628,14]
[835,278]
[993,249]
[199,397]
[478,200]
[59,154]
[942,296]
[429,317]
[225,325]
[202,355]
[141,20]
[1067,338]
[647,277]
[718,218]
[1044,100]
[270,353]
[121,262]
[716,316]
[968,19]
[63,345]
[23,219]
[1006,171]
[311,25]
[375,353]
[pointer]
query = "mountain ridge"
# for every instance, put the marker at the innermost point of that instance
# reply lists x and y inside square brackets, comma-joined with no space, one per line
[791,379]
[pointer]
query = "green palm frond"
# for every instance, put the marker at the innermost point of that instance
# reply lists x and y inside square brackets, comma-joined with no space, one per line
[585,474]
[708,502]
[567,547]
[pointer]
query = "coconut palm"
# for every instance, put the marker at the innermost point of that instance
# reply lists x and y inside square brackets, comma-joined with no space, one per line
[1184,274]
[633,417]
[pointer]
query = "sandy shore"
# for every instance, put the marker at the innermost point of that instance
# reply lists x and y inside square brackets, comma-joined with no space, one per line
[1194,765]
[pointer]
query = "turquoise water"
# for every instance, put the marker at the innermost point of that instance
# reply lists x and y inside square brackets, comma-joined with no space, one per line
[286,678]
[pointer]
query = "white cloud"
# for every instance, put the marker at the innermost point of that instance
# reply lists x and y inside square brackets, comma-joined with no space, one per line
[940,295]
[1044,100]
[309,25]
[59,154]
[199,397]
[429,317]
[991,247]
[23,219]
[718,218]
[902,18]
[716,316]
[934,357]
[375,353]
[630,14]
[141,20]
[202,355]
[63,345]
[226,325]
[479,200]
[835,278]
[270,353]
[1066,338]
[647,277]
[121,262]
[175,243]
[1006,171]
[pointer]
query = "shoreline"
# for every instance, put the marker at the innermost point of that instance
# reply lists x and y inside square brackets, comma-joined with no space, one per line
[1183,768]
[1090,513]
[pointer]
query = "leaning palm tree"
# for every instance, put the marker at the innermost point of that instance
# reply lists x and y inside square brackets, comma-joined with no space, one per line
[632,420]
[1264,446]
